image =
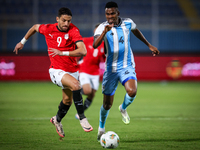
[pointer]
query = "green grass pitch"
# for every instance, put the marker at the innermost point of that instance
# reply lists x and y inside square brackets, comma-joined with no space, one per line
[164,116]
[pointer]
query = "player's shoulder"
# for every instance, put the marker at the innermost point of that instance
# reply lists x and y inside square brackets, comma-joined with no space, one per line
[129,21]
[103,24]
[46,28]
[126,20]
[49,25]
[72,27]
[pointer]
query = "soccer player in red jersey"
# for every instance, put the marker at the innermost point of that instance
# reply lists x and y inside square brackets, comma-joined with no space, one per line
[89,70]
[64,44]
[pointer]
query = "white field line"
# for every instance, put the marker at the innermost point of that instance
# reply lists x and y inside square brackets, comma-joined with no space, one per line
[138,118]
[45,118]
[167,118]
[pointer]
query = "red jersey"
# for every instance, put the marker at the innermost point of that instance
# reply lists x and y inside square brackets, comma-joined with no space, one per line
[90,62]
[63,41]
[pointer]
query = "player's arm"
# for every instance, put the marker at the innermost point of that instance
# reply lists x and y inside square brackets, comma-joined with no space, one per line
[140,36]
[31,31]
[98,39]
[79,52]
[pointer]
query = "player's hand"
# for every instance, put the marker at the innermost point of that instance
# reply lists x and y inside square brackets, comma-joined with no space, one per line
[18,47]
[54,52]
[154,50]
[108,27]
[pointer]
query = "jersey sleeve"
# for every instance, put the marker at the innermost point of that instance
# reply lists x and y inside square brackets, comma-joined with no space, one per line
[99,30]
[133,25]
[43,28]
[76,36]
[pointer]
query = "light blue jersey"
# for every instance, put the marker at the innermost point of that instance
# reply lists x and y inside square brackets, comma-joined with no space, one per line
[120,64]
[119,54]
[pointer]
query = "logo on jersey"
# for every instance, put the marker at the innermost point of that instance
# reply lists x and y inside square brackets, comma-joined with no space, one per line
[66,36]
[126,72]
[51,35]
[127,31]
[111,33]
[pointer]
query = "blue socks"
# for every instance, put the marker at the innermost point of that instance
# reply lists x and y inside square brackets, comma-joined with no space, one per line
[104,113]
[127,101]
[103,116]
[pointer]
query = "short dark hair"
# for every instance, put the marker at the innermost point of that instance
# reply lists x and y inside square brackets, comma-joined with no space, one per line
[111,4]
[64,11]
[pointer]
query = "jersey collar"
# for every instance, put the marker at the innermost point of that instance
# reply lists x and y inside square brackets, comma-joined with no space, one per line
[60,30]
[120,22]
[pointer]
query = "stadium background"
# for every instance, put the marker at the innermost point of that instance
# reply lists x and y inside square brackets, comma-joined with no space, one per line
[171,25]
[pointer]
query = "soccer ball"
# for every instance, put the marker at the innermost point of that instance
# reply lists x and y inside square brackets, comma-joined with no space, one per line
[109,140]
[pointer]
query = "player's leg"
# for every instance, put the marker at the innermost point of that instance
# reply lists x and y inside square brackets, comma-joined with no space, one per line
[90,95]
[89,99]
[85,83]
[85,89]
[70,82]
[62,111]
[109,86]
[104,111]
[107,104]
[64,104]
[130,83]
[128,99]
[56,76]
[94,85]
[131,90]
[90,84]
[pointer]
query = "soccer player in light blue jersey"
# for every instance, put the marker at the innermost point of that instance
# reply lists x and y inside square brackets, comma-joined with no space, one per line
[120,65]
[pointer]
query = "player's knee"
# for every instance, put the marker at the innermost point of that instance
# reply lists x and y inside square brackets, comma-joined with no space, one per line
[76,86]
[87,91]
[67,101]
[107,106]
[132,92]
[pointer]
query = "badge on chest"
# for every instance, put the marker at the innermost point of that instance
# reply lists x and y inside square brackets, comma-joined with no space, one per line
[66,36]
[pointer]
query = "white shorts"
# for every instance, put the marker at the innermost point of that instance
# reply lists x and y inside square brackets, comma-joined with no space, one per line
[57,74]
[93,80]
